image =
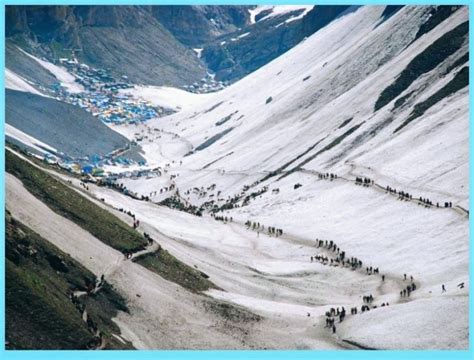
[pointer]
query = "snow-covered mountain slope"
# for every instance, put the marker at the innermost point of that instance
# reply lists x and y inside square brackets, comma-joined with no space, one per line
[64,78]
[368,95]
[267,11]
[168,97]
[15,82]
[329,85]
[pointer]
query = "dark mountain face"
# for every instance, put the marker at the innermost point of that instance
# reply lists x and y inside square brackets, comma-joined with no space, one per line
[198,25]
[65,127]
[153,44]
[125,39]
[267,39]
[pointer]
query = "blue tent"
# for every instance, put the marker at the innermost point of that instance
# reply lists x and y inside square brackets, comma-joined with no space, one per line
[87,169]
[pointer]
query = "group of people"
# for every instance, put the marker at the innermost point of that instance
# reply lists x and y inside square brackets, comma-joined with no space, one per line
[129,213]
[407,290]
[148,238]
[329,176]
[341,259]
[402,195]
[368,299]
[271,230]
[136,224]
[83,184]
[224,219]
[370,270]
[364,181]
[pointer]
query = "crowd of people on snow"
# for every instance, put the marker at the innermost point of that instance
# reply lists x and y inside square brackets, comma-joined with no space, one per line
[329,176]
[224,219]
[354,263]
[341,259]
[405,292]
[256,226]
[364,181]
[402,195]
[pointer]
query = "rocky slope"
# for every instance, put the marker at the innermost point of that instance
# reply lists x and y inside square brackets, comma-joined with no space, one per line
[234,55]
[126,39]
[154,45]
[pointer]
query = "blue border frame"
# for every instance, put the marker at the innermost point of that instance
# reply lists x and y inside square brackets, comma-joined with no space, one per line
[217,354]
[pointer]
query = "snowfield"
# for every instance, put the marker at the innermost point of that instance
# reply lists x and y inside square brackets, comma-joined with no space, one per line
[16,82]
[28,140]
[168,97]
[269,137]
[277,10]
[64,77]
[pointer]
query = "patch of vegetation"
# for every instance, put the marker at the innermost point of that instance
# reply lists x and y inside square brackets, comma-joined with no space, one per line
[39,311]
[213,139]
[345,122]
[389,11]
[332,144]
[460,80]
[219,158]
[21,42]
[225,119]
[338,140]
[60,52]
[284,166]
[437,15]
[171,269]
[231,312]
[75,207]
[424,62]
[102,308]
[402,100]
[461,61]
[39,162]
[213,107]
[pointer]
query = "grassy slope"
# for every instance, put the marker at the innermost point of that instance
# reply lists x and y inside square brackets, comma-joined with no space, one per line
[102,224]
[39,281]
[68,203]
[168,267]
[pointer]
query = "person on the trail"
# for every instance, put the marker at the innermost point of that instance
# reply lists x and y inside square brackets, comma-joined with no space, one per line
[443,289]
[311,259]
[404,277]
[383,277]
[334,329]
[309,314]
[411,278]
